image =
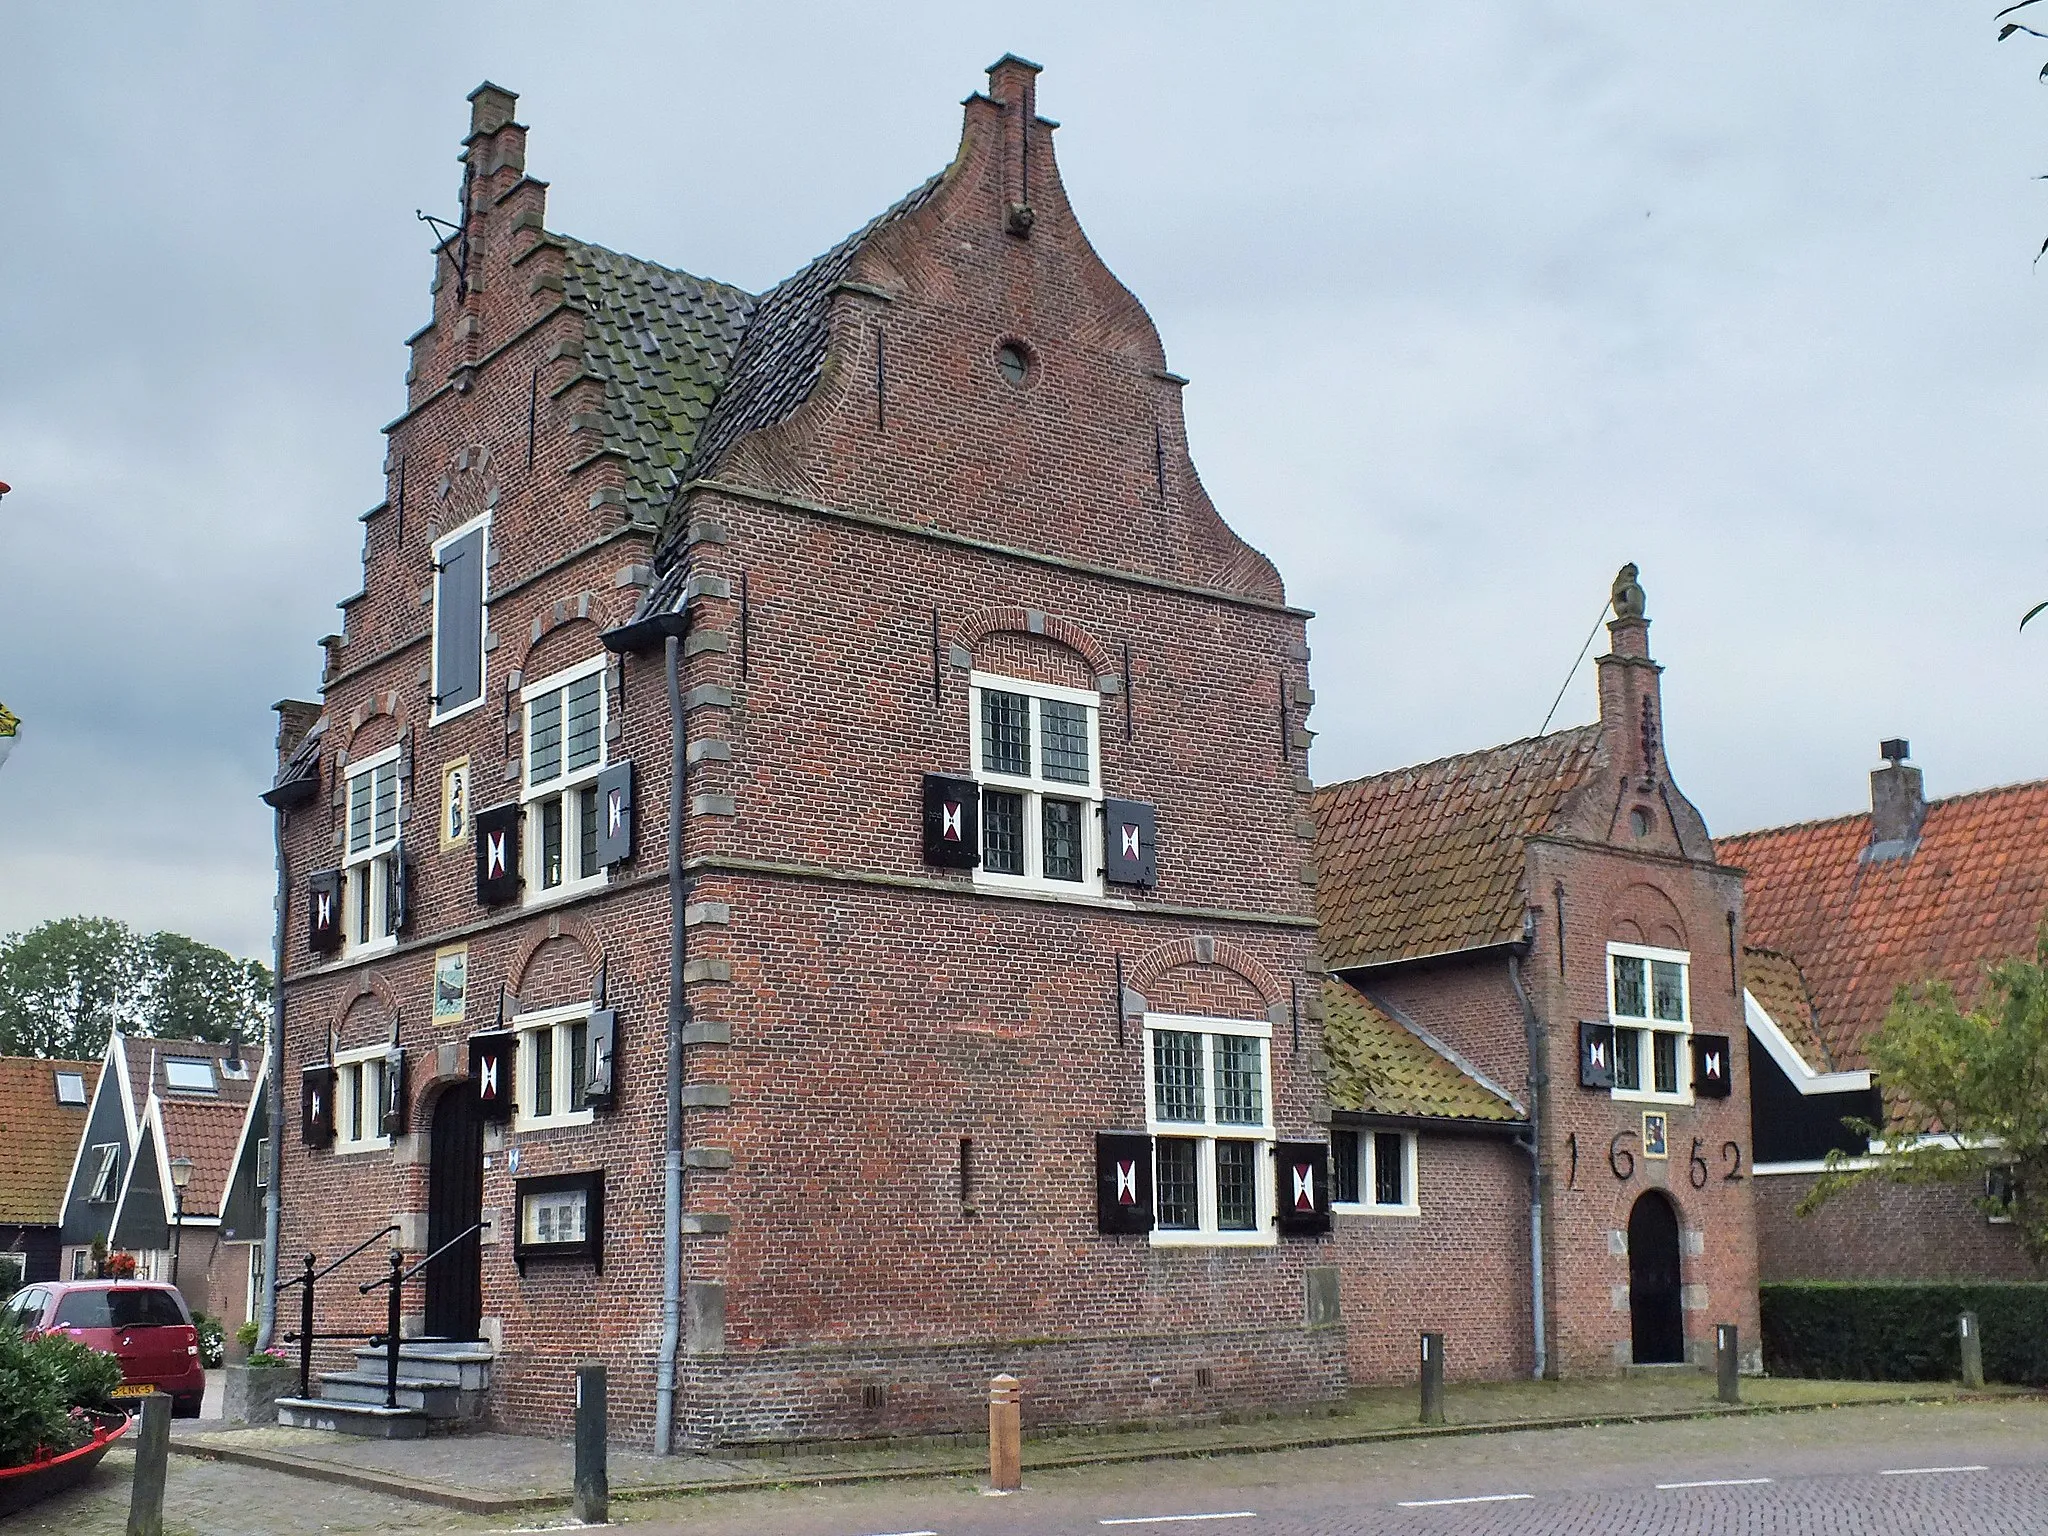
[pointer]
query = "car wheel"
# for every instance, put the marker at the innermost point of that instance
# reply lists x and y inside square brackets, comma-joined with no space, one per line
[186,1407]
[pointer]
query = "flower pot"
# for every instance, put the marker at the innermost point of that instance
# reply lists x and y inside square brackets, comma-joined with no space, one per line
[251,1392]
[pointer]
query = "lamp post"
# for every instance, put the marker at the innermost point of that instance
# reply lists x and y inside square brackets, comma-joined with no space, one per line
[181,1175]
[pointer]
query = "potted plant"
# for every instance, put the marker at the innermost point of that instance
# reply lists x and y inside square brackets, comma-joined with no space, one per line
[57,1416]
[253,1387]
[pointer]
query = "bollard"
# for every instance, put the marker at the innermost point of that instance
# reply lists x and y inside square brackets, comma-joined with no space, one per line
[1432,1378]
[593,1484]
[152,1459]
[1728,1362]
[1973,1352]
[1005,1434]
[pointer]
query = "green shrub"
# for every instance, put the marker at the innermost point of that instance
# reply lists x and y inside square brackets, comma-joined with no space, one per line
[41,1381]
[1856,1331]
[246,1335]
[213,1344]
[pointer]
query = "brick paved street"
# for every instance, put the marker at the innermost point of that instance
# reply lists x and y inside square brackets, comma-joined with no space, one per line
[1848,1472]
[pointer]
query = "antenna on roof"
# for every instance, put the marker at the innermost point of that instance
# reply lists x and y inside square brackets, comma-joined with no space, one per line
[1599,619]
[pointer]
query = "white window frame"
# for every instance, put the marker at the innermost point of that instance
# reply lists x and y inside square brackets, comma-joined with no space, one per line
[568,786]
[212,1075]
[263,1154]
[1209,1130]
[368,870]
[60,1078]
[351,1070]
[437,715]
[105,1185]
[1367,1203]
[1648,1026]
[556,1022]
[1036,788]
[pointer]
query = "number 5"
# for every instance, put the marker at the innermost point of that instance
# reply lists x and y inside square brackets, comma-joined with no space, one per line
[1699,1170]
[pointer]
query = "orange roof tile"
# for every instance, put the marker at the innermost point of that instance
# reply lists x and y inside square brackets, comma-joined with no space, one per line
[1775,982]
[1972,891]
[206,1132]
[1429,860]
[39,1137]
[146,1054]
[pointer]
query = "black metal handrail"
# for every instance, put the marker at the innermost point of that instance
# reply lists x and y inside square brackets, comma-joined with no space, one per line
[396,1281]
[305,1336]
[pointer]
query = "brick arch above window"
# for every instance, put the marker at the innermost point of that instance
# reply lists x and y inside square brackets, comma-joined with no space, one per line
[1644,914]
[1199,955]
[1012,653]
[467,489]
[364,1015]
[970,632]
[374,724]
[535,642]
[553,961]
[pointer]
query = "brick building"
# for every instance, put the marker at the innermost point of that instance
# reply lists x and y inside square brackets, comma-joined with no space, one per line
[1843,913]
[1543,933]
[865,656]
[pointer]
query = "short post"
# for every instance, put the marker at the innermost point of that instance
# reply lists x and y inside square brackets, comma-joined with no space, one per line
[306,1328]
[1005,1434]
[1432,1378]
[593,1484]
[391,1321]
[1973,1351]
[1727,1363]
[152,1463]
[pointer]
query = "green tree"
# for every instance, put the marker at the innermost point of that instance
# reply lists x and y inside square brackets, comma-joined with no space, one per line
[1967,1095]
[66,985]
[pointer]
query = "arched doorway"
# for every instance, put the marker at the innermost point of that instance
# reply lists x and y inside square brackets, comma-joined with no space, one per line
[455,1202]
[1656,1321]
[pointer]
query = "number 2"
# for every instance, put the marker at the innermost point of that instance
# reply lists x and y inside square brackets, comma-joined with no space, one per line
[1731,1153]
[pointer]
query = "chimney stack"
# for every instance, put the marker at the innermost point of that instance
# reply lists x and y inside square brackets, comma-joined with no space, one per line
[1897,804]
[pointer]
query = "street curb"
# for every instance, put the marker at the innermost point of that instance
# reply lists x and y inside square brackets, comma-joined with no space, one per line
[423,1491]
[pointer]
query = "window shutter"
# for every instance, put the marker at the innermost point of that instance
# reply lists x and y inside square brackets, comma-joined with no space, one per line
[490,1068]
[400,896]
[497,855]
[323,911]
[600,1053]
[1596,1055]
[614,815]
[952,822]
[1130,838]
[391,1119]
[1711,1066]
[316,1106]
[1123,1183]
[1302,1169]
[459,624]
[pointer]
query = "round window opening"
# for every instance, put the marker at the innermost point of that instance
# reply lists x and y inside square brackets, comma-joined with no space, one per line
[1014,362]
[1639,822]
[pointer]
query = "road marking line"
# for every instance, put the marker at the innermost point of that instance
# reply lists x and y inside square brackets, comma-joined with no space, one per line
[1719,1482]
[1477,1498]
[1235,1514]
[1920,1471]
[913,1533]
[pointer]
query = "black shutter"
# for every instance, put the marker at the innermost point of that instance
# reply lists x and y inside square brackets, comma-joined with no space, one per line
[459,624]
[952,822]
[614,815]
[1123,1183]
[600,1057]
[316,1106]
[497,855]
[391,1120]
[1596,1055]
[1302,1187]
[1711,1066]
[323,911]
[399,898]
[490,1067]
[1130,838]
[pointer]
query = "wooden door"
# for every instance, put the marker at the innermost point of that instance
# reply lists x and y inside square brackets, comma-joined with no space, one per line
[455,1202]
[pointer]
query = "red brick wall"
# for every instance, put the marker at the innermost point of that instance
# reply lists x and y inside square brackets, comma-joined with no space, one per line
[1882,1232]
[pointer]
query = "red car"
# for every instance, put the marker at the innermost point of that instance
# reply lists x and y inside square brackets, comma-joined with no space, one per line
[143,1325]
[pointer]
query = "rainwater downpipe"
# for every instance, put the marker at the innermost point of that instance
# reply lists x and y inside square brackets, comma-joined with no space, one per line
[1539,1078]
[678,1018]
[273,1094]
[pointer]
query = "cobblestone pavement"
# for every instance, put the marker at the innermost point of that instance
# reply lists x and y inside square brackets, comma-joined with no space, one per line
[1977,1468]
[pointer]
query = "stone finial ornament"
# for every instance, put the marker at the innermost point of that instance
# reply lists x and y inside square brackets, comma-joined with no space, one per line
[1628,593]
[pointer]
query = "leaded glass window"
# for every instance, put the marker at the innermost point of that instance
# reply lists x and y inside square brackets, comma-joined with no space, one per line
[1177,1075]
[1240,1096]
[1176,1184]
[1064,731]
[1005,733]
[1237,1192]
[1062,840]
[1002,832]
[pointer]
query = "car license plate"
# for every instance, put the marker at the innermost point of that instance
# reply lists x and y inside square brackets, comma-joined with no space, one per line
[133,1389]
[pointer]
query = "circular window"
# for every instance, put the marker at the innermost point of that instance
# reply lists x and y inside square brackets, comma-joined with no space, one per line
[1639,822]
[1014,362]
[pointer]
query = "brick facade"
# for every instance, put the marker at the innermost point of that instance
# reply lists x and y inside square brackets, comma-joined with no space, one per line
[1882,1232]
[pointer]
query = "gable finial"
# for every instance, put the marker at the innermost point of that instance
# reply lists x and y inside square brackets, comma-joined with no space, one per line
[1628,593]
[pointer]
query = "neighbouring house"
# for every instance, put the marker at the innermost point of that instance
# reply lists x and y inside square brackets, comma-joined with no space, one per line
[1842,913]
[43,1108]
[164,1110]
[844,704]
[1533,955]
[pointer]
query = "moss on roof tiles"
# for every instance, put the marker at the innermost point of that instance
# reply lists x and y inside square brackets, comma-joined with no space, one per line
[1379,1067]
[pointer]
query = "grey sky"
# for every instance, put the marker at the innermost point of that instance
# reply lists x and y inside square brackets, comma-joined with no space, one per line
[1477,301]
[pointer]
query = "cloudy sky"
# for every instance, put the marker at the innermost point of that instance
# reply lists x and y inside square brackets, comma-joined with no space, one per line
[1478,302]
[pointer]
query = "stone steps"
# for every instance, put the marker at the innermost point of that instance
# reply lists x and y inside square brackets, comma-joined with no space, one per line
[441,1387]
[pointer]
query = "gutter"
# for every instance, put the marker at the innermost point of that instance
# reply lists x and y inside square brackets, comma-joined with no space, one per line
[273,1091]
[1539,1082]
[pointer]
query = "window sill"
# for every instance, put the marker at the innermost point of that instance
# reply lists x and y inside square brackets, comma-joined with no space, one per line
[355,1148]
[1177,1239]
[567,891]
[1650,1097]
[1076,893]
[382,946]
[1399,1212]
[523,1124]
[456,713]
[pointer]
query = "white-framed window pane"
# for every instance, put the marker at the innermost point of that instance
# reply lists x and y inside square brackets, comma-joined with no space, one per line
[1664,1061]
[1002,831]
[543,1043]
[551,842]
[1345,1152]
[1062,845]
[586,715]
[1176,1185]
[1389,1169]
[1005,732]
[384,782]
[586,831]
[359,809]
[576,1038]
[1628,1059]
[1631,995]
[1237,1186]
[1240,1085]
[262,1164]
[1667,978]
[1177,1075]
[544,739]
[1063,740]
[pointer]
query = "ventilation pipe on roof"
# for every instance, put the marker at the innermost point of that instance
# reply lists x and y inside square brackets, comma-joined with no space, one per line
[1539,1080]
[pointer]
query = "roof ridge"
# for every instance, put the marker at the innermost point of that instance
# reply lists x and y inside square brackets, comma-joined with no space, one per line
[1591,728]
[1985,792]
[662,267]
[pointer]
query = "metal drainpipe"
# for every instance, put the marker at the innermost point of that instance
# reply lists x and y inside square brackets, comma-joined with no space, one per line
[678,1014]
[273,1055]
[1539,1078]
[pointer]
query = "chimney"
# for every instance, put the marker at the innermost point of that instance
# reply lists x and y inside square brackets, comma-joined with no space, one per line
[1013,85]
[295,717]
[490,108]
[234,1059]
[1897,805]
[1631,702]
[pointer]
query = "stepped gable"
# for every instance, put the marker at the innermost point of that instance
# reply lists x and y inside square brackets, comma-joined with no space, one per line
[1429,860]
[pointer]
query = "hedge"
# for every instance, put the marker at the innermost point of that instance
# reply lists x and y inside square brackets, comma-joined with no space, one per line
[1855,1331]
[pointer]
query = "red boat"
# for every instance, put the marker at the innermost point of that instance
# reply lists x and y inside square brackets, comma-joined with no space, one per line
[37,1480]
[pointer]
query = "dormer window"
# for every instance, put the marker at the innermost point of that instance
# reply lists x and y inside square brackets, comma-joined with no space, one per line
[104,1165]
[189,1074]
[71,1089]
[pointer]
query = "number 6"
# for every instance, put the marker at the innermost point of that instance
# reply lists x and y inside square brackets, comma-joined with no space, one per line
[1617,1154]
